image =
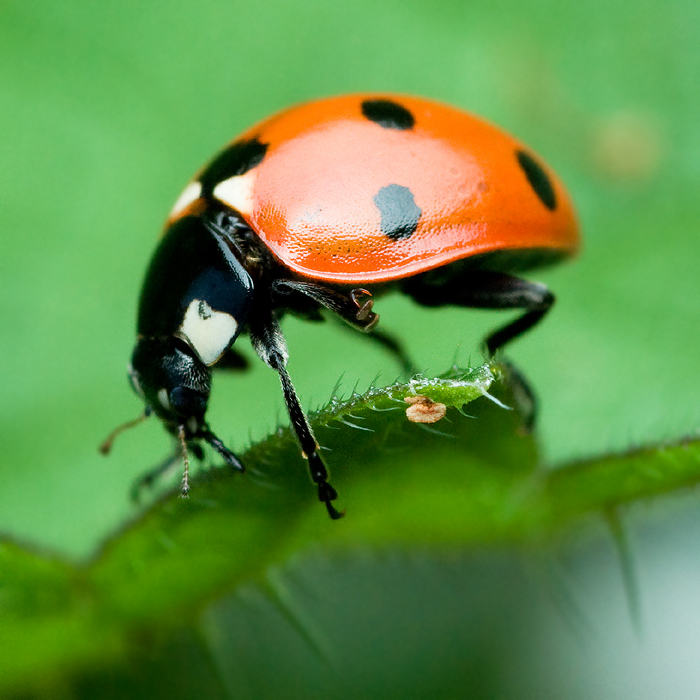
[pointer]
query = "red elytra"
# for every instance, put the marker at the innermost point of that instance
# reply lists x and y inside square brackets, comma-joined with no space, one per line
[311,199]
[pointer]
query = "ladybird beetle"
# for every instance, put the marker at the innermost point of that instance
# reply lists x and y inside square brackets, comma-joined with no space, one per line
[322,207]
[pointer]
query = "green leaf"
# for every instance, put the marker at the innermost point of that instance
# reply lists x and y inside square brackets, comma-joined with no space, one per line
[400,482]
[185,585]
[183,553]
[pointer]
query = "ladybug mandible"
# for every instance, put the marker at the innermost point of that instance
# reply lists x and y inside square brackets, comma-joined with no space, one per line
[324,206]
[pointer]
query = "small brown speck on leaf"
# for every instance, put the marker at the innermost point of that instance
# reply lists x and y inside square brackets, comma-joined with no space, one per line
[424,410]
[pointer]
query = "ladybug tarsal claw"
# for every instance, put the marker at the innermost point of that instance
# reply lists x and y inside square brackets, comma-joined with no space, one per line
[357,294]
[364,312]
[219,446]
[326,492]
[333,512]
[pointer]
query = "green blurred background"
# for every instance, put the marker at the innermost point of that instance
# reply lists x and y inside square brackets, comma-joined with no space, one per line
[106,110]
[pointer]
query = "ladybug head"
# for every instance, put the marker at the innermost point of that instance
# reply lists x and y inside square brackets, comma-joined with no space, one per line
[194,303]
[173,382]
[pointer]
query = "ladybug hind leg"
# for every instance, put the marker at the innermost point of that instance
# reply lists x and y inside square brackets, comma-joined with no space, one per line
[487,289]
[484,289]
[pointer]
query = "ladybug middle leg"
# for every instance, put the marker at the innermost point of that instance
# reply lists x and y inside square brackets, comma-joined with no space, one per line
[389,343]
[487,289]
[268,341]
[355,308]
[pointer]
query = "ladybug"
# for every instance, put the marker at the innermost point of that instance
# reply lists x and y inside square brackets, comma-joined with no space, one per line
[324,207]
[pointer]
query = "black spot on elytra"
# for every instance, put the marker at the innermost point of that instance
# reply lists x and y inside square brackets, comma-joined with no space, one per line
[236,159]
[388,114]
[399,211]
[538,179]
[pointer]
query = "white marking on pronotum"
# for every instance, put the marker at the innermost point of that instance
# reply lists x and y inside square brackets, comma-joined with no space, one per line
[237,192]
[191,192]
[209,332]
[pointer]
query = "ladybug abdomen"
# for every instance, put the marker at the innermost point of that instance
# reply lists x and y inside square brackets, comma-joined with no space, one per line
[369,189]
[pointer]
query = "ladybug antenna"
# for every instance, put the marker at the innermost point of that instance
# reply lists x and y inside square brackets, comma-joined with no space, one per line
[186,459]
[106,446]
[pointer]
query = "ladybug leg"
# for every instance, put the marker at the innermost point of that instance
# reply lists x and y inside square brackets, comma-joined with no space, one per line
[211,439]
[389,343]
[146,481]
[354,307]
[268,341]
[486,289]
[510,292]
[395,348]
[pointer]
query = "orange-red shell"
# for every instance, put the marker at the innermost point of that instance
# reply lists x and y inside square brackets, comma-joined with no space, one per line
[311,198]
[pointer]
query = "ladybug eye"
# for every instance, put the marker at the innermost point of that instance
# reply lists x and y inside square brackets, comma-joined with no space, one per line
[134,380]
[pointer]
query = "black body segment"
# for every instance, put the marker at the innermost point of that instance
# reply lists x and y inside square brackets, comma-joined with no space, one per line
[167,362]
[191,262]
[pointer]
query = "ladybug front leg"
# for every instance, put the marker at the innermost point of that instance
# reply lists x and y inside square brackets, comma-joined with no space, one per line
[268,341]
